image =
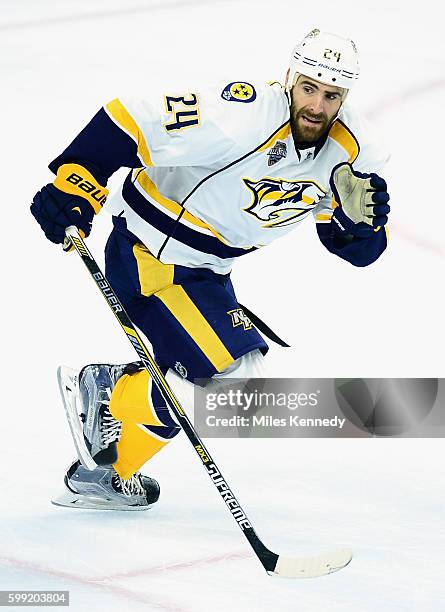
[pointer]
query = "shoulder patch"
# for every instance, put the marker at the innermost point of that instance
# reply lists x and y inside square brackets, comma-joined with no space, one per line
[239,92]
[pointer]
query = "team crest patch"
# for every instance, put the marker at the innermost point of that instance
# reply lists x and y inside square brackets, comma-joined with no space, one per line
[239,317]
[277,152]
[277,202]
[239,92]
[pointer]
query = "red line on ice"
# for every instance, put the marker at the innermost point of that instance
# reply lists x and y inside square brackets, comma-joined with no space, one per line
[181,565]
[421,89]
[417,240]
[98,582]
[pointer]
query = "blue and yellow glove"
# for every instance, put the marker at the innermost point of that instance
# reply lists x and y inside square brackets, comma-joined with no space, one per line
[361,199]
[73,199]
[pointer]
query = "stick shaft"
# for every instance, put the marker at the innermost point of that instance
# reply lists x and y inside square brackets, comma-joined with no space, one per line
[267,557]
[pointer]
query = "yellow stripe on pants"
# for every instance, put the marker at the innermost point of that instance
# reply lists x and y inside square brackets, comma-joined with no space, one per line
[195,324]
[156,278]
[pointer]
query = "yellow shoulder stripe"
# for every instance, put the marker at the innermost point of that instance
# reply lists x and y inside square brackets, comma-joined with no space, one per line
[122,117]
[150,189]
[282,134]
[346,139]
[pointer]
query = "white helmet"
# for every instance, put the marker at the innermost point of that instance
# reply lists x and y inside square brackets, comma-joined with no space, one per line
[325,57]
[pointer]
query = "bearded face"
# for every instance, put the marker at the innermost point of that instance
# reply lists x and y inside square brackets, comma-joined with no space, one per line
[314,106]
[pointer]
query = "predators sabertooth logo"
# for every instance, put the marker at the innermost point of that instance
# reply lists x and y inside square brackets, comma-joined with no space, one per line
[278,202]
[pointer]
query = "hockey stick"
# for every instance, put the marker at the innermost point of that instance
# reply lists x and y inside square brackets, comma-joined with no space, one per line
[274,564]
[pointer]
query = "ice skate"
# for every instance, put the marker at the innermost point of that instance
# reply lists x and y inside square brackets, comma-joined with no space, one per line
[86,398]
[103,489]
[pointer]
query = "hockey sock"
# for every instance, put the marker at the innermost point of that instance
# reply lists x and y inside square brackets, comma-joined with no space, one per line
[146,422]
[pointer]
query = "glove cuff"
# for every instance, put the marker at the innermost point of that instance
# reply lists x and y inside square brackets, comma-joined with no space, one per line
[76,180]
[341,223]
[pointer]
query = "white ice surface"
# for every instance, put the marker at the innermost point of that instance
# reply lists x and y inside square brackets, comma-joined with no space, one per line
[384,498]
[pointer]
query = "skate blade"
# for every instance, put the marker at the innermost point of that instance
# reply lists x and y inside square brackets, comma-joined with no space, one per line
[68,384]
[72,500]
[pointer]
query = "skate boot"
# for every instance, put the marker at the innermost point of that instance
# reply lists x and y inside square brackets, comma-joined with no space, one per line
[86,398]
[104,489]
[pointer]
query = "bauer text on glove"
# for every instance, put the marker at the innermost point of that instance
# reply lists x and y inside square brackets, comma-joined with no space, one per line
[73,199]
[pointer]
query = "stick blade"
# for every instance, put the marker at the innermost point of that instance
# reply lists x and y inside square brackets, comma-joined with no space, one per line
[312,567]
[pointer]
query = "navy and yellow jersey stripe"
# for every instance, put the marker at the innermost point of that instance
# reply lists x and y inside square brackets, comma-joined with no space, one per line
[102,147]
[126,122]
[172,226]
[171,207]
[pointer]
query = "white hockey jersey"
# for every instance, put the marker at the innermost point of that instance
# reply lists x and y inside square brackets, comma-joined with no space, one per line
[221,175]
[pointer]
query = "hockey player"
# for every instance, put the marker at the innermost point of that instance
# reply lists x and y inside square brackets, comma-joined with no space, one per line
[214,175]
